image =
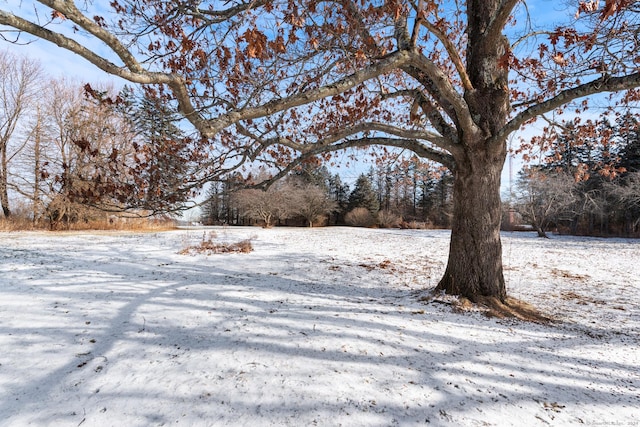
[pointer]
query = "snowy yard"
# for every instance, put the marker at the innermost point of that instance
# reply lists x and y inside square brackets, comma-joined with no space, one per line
[314,327]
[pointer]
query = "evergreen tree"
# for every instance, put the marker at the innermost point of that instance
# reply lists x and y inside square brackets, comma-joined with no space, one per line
[436,199]
[339,192]
[363,195]
[163,151]
[231,212]
[628,129]
[381,179]
[213,208]
[314,174]
[562,155]
[219,206]
[625,191]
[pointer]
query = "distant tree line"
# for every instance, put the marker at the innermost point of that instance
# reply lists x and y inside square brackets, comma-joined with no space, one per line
[590,185]
[409,193]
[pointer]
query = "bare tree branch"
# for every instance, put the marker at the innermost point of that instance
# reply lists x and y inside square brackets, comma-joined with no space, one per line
[389,63]
[453,53]
[134,75]
[445,94]
[432,114]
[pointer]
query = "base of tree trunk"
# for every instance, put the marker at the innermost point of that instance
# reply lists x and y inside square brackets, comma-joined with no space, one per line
[511,308]
[474,266]
[542,233]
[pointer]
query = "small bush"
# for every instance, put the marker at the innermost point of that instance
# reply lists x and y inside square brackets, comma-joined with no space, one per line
[388,219]
[360,217]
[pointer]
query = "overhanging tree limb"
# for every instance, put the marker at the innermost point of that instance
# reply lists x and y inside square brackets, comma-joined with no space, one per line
[601,85]
[134,76]
[71,12]
[413,140]
[208,128]
[408,144]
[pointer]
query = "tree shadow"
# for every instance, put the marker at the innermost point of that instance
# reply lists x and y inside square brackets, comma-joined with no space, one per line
[224,340]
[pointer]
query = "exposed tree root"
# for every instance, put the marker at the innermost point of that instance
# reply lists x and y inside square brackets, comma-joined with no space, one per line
[492,307]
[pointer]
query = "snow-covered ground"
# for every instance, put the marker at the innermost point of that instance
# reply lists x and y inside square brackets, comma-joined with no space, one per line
[314,327]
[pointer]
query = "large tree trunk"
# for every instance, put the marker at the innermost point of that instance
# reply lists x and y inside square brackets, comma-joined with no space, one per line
[474,268]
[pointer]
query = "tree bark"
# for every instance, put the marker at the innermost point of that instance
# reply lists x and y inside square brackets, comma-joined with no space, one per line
[4,196]
[474,268]
[37,202]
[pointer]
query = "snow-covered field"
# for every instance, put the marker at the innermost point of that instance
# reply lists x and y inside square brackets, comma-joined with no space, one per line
[314,327]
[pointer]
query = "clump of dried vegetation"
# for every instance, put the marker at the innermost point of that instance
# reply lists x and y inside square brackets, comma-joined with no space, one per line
[209,246]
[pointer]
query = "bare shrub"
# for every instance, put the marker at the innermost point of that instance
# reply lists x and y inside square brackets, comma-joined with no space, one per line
[208,246]
[360,217]
[388,219]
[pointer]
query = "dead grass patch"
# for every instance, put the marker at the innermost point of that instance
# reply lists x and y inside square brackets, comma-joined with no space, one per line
[17,223]
[122,224]
[383,265]
[580,299]
[568,274]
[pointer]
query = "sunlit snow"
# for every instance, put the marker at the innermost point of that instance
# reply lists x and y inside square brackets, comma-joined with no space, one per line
[314,327]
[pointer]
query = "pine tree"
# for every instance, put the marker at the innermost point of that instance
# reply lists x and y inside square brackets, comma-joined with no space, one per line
[363,196]
[314,174]
[562,151]
[436,199]
[163,151]
[340,194]
[628,129]
[213,208]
